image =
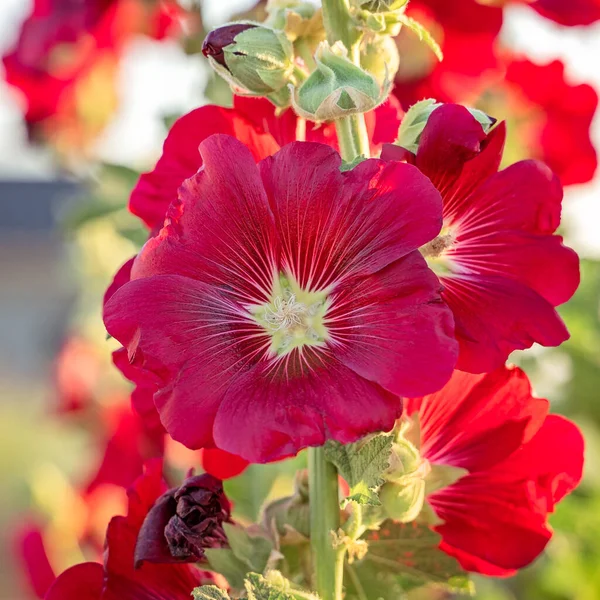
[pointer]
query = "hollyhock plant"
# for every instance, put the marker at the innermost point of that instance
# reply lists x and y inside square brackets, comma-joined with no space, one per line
[502,268]
[117,578]
[274,274]
[513,461]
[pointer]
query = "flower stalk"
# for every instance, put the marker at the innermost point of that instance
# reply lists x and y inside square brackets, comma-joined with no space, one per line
[324,519]
[351,130]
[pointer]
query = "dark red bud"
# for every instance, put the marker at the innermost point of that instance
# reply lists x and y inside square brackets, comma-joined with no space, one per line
[184,521]
[220,38]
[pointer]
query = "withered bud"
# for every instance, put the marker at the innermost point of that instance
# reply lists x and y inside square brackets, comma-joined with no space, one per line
[184,521]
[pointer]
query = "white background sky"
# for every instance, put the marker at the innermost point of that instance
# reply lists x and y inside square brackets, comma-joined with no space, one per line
[156,78]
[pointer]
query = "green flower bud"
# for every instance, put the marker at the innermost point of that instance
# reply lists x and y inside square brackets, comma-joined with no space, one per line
[255,60]
[403,501]
[379,56]
[416,118]
[298,19]
[337,88]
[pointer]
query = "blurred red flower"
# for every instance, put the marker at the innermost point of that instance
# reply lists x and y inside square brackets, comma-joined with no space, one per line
[65,59]
[275,279]
[118,579]
[553,117]
[31,552]
[520,463]
[502,269]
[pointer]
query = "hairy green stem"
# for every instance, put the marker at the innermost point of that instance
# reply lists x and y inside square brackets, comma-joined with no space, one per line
[338,23]
[324,518]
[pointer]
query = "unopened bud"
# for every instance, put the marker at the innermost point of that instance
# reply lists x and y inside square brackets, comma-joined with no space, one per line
[379,56]
[337,88]
[298,19]
[255,60]
[403,501]
[414,121]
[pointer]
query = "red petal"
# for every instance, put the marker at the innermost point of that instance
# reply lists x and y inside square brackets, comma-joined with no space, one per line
[198,339]
[81,582]
[298,404]
[392,328]
[494,316]
[475,421]
[335,226]
[31,551]
[221,464]
[222,232]
[180,158]
[575,12]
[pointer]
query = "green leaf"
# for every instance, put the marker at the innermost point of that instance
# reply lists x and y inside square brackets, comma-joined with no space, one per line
[252,550]
[209,592]
[362,464]
[423,35]
[258,588]
[402,557]
[258,483]
[225,562]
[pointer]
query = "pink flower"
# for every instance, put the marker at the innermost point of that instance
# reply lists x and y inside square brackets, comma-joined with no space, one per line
[117,579]
[518,461]
[502,269]
[286,303]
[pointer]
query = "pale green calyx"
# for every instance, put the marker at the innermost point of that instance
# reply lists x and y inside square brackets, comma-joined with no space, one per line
[414,121]
[338,87]
[257,61]
[293,317]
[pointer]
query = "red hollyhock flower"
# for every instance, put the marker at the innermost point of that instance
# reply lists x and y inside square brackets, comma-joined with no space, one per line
[118,579]
[559,117]
[520,463]
[221,464]
[502,269]
[286,302]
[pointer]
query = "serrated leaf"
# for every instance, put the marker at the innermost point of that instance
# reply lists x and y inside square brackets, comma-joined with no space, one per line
[362,464]
[402,557]
[423,35]
[209,592]
[252,550]
[348,166]
[258,588]
[225,562]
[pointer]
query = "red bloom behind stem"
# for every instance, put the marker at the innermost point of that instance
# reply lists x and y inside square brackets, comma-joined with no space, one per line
[502,269]
[520,463]
[279,302]
[118,579]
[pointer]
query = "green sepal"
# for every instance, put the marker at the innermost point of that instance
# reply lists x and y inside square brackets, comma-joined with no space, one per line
[423,34]
[362,465]
[337,87]
[348,166]
[259,588]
